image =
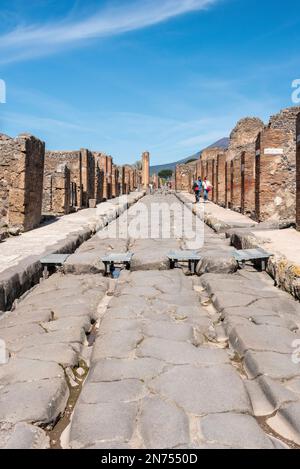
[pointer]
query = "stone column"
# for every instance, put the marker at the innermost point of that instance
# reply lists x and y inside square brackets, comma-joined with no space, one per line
[236,195]
[88,176]
[146,169]
[109,177]
[221,159]
[103,167]
[228,183]
[272,177]
[248,183]
[61,183]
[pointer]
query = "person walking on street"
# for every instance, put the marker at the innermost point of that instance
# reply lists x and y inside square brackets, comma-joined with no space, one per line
[197,187]
[207,187]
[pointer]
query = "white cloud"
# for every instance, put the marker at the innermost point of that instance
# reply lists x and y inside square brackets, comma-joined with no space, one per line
[39,39]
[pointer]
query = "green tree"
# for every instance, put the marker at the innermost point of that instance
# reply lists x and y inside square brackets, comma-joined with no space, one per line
[191,160]
[165,173]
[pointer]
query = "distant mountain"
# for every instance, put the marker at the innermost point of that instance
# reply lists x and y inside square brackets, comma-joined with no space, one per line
[222,143]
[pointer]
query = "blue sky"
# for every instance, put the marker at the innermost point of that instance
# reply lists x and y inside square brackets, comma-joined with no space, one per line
[124,76]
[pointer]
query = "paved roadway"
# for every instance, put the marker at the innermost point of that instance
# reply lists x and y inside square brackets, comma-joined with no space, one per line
[176,361]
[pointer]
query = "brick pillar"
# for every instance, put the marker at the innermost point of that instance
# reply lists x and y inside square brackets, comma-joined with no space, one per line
[21,180]
[109,177]
[146,169]
[236,196]
[298,174]
[123,181]
[99,178]
[214,181]
[61,183]
[270,174]
[228,183]
[88,176]
[248,183]
[103,168]
[221,160]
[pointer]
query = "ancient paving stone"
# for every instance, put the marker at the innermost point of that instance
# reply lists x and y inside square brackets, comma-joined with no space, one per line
[127,390]
[233,430]
[201,390]
[119,325]
[262,338]
[20,332]
[293,385]
[286,422]
[216,261]
[118,369]
[102,422]
[151,254]
[37,401]
[116,345]
[67,323]
[180,353]
[68,336]
[25,436]
[21,370]
[162,424]
[268,395]
[26,316]
[272,364]
[63,354]
[166,330]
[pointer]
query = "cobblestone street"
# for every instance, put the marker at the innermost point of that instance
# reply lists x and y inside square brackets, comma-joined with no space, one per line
[155,357]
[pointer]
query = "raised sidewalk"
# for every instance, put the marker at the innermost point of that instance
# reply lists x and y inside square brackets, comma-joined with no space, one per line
[20,266]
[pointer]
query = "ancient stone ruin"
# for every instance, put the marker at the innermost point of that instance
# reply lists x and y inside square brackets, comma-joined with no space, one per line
[21,181]
[256,175]
[35,183]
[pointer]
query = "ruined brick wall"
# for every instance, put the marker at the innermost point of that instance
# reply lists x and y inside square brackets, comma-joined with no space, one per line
[220,177]
[298,172]
[236,189]
[115,181]
[242,138]
[275,182]
[88,176]
[99,177]
[277,152]
[102,162]
[210,177]
[73,160]
[228,172]
[57,191]
[248,183]
[6,160]
[21,180]
[185,174]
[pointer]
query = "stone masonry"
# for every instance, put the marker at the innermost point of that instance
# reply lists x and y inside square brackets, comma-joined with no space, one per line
[236,194]
[248,183]
[88,177]
[21,181]
[145,169]
[275,194]
[220,179]
[256,175]
[56,196]
[73,159]
[242,138]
